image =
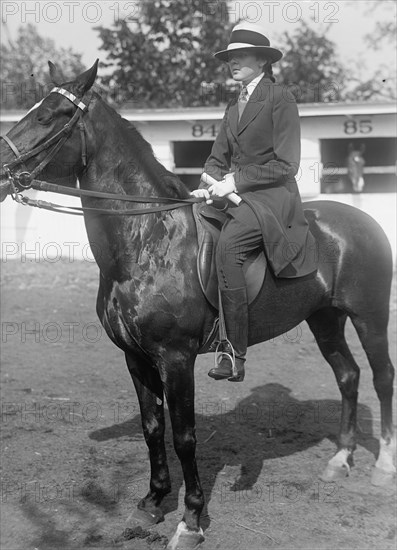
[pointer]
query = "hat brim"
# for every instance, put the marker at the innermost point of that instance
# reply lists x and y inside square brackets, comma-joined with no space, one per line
[272,53]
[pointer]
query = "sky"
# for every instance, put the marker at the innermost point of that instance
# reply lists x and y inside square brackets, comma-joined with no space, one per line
[70,23]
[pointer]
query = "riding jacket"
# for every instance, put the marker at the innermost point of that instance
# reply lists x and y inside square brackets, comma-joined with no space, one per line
[263,151]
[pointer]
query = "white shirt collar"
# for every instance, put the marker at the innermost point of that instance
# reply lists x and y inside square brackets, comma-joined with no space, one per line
[253,84]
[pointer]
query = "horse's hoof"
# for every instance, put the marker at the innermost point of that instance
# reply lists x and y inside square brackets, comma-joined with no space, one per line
[143,518]
[335,473]
[185,539]
[382,478]
[338,467]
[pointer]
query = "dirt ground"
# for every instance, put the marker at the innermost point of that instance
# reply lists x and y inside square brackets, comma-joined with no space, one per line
[75,463]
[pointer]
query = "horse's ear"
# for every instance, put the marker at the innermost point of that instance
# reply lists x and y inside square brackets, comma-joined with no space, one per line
[350,147]
[362,148]
[87,79]
[55,75]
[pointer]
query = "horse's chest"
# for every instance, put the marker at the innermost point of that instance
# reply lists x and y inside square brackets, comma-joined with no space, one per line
[151,306]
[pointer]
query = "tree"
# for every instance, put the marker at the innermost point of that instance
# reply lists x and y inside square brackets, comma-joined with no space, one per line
[24,68]
[384,31]
[382,85]
[165,58]
[310,66]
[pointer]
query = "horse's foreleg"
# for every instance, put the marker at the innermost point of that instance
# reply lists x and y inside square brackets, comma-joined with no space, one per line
[150,394]
[327,326]
[179,387]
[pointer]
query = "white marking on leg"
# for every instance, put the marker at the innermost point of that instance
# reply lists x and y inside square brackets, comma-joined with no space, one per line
[181,530]
[152,425]
[386,456]
[340,460]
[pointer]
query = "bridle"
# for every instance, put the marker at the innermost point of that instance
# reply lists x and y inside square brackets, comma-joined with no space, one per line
[27,180]
[24,179]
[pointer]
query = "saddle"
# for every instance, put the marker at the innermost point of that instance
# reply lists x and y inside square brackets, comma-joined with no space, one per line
[209,222]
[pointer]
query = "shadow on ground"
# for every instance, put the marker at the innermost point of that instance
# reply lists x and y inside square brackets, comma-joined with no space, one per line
[265,425]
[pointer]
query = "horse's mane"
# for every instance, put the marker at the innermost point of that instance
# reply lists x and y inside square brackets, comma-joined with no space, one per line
[166,183]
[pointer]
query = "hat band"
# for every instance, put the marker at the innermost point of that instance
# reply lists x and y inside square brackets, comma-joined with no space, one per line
[249,37]
[241,46]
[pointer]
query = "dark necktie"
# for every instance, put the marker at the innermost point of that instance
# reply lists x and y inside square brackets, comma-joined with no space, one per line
[242,101]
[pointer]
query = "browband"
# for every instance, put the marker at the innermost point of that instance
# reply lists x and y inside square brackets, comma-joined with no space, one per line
[80,104]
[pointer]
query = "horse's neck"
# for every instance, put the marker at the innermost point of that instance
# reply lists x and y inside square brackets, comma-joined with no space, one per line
[124,161]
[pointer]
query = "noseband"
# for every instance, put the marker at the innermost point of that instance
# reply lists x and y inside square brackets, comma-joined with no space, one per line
[24,179]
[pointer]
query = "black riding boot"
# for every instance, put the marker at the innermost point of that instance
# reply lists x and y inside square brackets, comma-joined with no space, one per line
[235,311]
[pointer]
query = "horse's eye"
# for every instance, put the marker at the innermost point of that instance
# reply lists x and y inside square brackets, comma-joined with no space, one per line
[44,116]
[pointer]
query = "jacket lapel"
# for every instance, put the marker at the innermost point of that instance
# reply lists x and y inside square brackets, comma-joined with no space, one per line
[233,118]
[255,104]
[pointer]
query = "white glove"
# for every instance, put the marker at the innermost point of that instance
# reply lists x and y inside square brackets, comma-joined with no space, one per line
[202,193]
[223,187]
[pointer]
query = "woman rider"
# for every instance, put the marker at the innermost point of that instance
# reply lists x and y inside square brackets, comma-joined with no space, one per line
[256,154]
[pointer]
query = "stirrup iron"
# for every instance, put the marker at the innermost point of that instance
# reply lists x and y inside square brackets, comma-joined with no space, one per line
[220,354]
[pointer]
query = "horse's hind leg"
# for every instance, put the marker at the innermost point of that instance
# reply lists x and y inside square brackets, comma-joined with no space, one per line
[372,331]
[328,326]
[150,394]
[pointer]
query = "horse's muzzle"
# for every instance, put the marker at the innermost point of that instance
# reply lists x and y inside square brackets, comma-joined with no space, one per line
[5,186]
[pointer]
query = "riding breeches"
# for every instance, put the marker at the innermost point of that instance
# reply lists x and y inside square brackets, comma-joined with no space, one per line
[240,235]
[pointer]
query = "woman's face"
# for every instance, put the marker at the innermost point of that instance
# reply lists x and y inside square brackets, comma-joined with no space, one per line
[245,65]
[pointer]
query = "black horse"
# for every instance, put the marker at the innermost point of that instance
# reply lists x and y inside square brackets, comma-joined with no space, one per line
[150,301]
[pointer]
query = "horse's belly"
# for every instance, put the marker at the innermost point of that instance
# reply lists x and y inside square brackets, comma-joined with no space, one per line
[282,304]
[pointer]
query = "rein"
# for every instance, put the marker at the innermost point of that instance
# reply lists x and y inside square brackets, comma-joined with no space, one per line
[76,210]
[26,180]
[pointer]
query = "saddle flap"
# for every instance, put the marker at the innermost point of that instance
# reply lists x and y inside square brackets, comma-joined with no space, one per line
[209,222]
